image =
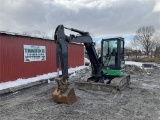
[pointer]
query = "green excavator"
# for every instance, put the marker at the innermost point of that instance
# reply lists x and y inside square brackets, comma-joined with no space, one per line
[108,71]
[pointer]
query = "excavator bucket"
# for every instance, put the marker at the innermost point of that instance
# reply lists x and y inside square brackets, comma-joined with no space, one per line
[67,97]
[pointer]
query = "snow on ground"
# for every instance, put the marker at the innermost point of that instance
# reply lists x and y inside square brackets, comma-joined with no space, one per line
[133,63]
[21,81]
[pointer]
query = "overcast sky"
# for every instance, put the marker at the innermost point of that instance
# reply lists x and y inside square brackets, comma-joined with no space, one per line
[99,17]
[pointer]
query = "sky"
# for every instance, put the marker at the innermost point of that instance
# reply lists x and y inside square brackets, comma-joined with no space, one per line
[99,17]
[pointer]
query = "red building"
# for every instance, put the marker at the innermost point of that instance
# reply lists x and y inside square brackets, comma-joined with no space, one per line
[19,60]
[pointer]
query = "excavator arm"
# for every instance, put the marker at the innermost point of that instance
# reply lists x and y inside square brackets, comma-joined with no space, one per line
[62,41]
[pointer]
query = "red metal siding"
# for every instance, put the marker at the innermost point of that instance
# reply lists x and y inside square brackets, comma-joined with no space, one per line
[12,65]
[76,55]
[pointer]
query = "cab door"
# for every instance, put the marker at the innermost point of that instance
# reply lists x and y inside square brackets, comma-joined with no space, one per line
[112,53]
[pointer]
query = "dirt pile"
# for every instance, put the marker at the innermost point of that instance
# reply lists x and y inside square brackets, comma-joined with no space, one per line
[82,74]
[130,69]
[133,69]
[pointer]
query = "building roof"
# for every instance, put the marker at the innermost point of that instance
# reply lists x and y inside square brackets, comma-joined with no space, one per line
[20,35]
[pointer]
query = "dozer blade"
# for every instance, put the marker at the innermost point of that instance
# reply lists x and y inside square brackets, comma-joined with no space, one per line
[117,83]
[68,97]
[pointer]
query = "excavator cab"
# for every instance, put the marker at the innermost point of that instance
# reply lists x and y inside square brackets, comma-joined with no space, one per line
[112,56]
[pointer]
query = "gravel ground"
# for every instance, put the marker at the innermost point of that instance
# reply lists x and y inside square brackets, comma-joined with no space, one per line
[139,101]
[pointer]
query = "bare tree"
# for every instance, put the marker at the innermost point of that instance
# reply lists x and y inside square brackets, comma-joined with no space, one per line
[135,48]
[128,51]
[145,36]
[157,49]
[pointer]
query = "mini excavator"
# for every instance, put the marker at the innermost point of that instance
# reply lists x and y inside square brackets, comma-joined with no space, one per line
[108,71]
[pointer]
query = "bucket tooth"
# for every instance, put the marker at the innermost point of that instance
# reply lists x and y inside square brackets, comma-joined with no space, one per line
[67,97]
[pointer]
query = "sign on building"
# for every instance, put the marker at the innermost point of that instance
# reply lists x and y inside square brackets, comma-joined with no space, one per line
[34,53]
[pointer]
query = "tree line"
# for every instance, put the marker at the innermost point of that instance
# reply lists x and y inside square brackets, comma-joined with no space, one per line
[145,44]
